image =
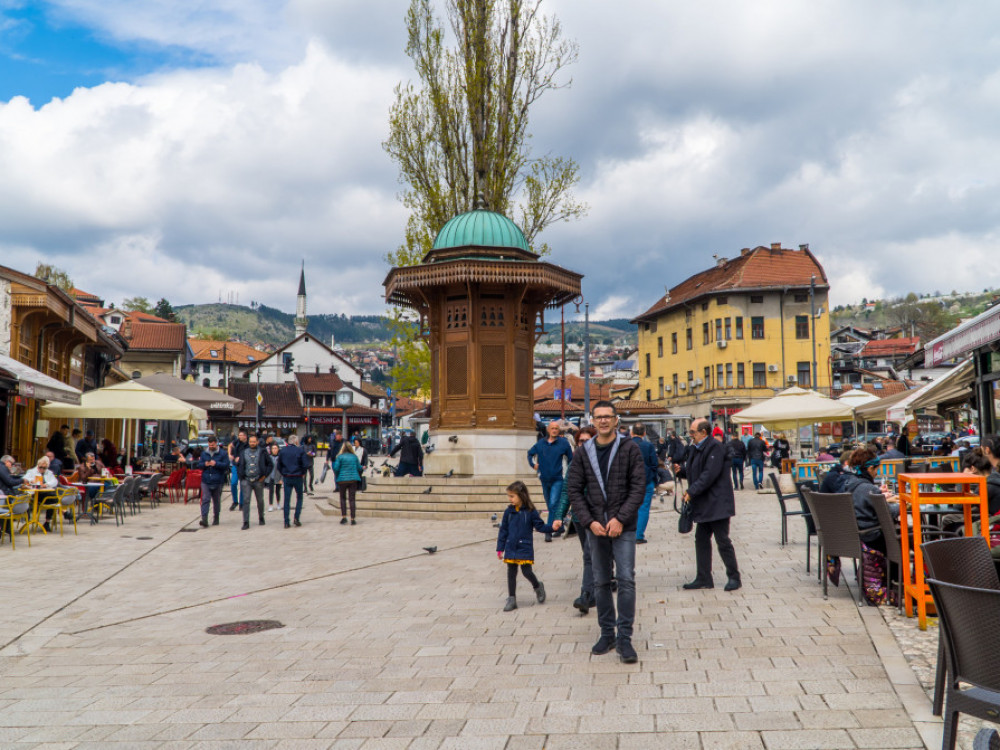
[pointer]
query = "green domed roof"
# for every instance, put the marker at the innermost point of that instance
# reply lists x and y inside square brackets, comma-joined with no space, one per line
[480,228]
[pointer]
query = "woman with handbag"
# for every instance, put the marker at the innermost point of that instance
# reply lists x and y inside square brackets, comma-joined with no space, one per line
[360,452]
[347,473]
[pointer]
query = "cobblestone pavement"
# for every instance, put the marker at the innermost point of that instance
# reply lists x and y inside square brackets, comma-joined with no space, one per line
[386,646]
[920,647]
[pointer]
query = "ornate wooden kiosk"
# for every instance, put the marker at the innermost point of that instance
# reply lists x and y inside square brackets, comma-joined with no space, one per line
[481,295]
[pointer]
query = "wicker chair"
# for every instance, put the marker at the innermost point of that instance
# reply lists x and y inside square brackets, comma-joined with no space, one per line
[971,619]
[836,530]
[964,561]
[893,542]
[809,484]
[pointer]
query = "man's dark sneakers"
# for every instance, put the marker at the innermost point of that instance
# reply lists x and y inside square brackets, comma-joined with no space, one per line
[246,525]
[603,645]
[287,525]
[234,506]
[581,604]
[548,537]
[298,522]
[640,541]
[732,584]
[696,584]
[625,651]
[203,522]
[343,521]
[260,521]
[215,521]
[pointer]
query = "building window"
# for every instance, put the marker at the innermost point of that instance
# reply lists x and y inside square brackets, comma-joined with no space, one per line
[803,375]
[759,375]
[756,328]
[708,378]
[659,346]
[661,387]
[705,334]
[649,395]
[756,299]
[739,328]
[729,375]
[741,380]
[116,320]
[207,367]
[718,329]
[222,368]
[690,339]
[801,297]
[648,366]
[722,300]
[704,306]
[206,382]
[222,383]
[675,383]
[729,329]
[719,380]
[251,358]
[645,326]
[673,342]
[801,326]
[214,353]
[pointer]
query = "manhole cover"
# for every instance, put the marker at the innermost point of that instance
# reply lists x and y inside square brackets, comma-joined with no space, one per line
[244,627]
[144,537]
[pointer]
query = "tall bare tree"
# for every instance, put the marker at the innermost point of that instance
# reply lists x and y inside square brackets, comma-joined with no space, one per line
[464,127]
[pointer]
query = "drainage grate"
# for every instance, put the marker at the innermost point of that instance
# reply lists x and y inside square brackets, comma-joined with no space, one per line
[244,627]
[144,537]
[189,531]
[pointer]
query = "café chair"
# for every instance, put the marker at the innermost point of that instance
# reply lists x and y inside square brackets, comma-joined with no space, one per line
[50,502]
[965,561]
[785,513]
[151,487]
[113,501]
[970,621]
[836,531]
[17,508]
[69,498]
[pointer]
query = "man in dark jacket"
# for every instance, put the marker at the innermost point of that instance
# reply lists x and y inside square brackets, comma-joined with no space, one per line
[254,467]
[215,467]
[737,453]
[756,448]
[8,482]
[712,505]
[607,481]
[411,456]
[651,464]
[292,466]
[546,458]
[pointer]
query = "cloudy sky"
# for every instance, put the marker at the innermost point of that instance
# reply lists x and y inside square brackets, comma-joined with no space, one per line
[198,149]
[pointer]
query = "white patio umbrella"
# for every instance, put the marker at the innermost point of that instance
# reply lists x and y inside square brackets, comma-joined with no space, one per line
[856,398]
[795,406]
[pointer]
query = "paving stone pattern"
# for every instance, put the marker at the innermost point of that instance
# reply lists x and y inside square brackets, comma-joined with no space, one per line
[384,646]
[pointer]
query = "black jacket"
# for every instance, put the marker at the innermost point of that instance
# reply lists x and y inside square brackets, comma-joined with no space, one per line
[8,482]
[861,488]
[409,451]
[736,450]
[676,450]
[709,485]
[834,480]
[625,490]
[756,448]
[264,462]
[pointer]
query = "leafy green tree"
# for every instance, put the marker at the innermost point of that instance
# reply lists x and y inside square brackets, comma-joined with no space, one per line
[464,128]
[53,275]
[410,374]
[164,309]
[137,304]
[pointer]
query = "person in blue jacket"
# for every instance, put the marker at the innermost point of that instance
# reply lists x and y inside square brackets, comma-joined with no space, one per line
[215,470]
[515,545]
[650,462]
[546,457]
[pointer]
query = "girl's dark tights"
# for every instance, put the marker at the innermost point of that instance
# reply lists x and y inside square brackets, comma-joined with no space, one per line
[512,577]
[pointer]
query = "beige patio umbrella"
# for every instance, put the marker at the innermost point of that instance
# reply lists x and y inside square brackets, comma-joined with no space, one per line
[792,407]
[857,398]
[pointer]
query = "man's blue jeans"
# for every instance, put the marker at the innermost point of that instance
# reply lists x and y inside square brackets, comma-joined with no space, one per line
[293,483]
[621,551]
[551,491]
[234,486]
[647,501]
[757,468]
[738,473]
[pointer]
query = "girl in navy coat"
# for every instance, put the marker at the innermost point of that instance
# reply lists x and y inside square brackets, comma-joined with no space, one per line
[515,545]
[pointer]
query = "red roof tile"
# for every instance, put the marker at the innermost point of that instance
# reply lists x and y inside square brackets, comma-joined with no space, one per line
[760,268]
[323,382]
[890,347]
[552,405]
[627,406]
[157,336]
[235,351]
[281,400]
[889,388]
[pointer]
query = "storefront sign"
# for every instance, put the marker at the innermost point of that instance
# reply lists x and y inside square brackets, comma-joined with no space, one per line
[268,424]
[221,406]
[351,420]
[967,337]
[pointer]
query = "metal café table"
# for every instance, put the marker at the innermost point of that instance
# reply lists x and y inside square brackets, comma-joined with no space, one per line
[35,492]
[972,492]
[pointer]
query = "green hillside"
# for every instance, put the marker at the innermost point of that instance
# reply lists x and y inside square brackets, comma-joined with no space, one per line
[267,325]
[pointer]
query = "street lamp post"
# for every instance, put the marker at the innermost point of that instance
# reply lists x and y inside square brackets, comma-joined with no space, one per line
[586,362]
[345,399]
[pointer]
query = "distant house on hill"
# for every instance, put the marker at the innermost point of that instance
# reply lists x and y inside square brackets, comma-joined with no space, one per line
[215,363]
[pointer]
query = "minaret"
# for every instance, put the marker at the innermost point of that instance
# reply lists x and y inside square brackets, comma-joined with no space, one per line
[301,321]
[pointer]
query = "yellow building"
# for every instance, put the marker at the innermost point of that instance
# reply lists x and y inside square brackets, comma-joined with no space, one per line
[736,334]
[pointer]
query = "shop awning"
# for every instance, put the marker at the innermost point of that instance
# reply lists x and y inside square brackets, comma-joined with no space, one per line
[192,393]
[128,400]
[876,410]
[34,384]
[944,388]
[972,334]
